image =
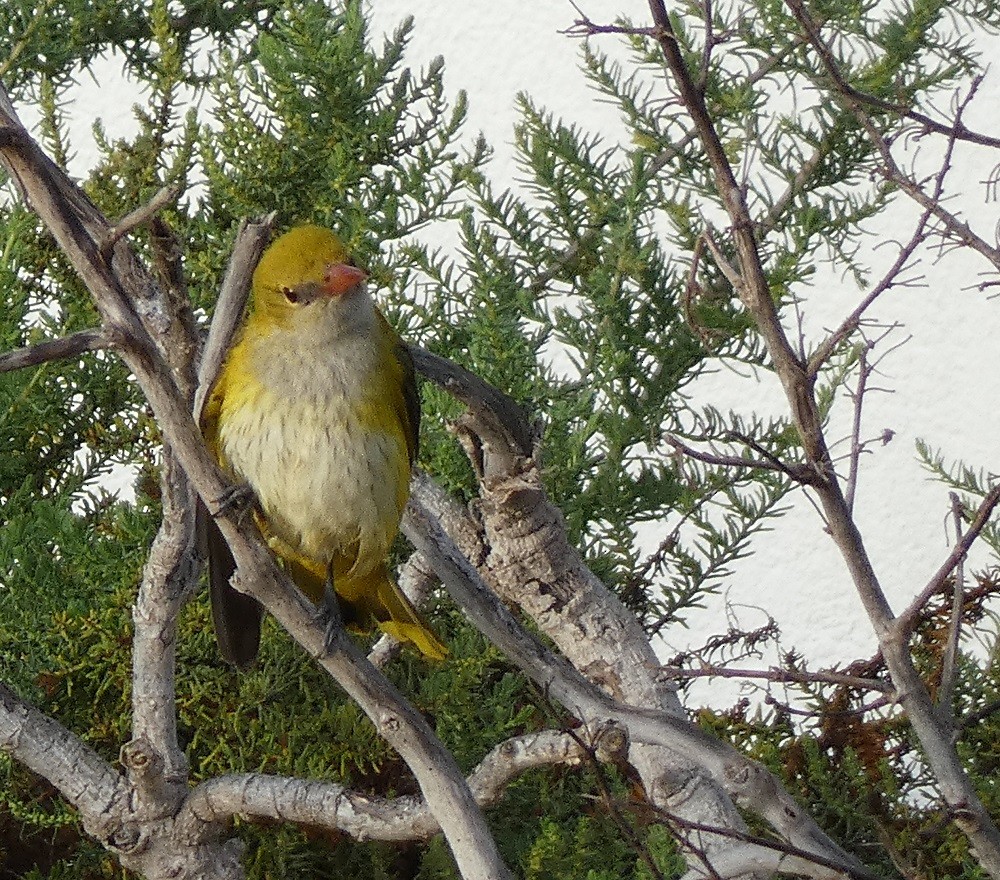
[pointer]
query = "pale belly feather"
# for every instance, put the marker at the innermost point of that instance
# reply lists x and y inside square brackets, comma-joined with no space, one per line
[327,484]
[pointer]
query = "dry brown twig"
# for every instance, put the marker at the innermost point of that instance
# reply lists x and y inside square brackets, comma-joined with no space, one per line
[53,350]
[781,676]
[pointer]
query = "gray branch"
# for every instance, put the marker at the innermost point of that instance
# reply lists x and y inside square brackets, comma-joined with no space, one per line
[684,769]
[328,805]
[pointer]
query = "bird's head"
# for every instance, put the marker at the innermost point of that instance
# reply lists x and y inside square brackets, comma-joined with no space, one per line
[306,278]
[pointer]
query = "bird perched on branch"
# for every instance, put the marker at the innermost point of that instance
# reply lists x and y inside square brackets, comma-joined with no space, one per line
[316,410]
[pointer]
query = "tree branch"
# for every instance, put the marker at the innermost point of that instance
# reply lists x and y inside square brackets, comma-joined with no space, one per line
[779,675]
[502,422]
[683,746]
[794,472]
[156,764]
[251,239]
[83,778]
[957,131]
[831,343]
[765,856]
[854,458]
[53,350]
[328,805]
[907,620]
[855,102]
[140,216]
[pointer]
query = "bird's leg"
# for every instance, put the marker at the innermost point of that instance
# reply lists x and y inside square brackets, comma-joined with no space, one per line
[329,608]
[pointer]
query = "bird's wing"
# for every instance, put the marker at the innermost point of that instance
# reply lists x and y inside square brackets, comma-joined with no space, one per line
[407,402]
[237,616]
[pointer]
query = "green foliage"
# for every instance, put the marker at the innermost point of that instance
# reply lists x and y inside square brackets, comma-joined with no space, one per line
[321,127]
[57,38]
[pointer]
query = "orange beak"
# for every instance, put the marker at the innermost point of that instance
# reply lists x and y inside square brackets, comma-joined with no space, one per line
[340,278]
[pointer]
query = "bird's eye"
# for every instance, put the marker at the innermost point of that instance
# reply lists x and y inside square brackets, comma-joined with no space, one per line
[290,294]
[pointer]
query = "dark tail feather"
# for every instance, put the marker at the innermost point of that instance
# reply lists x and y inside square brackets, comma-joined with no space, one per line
[237,616]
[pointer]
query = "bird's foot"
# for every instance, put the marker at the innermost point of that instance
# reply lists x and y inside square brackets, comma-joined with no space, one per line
[238,500]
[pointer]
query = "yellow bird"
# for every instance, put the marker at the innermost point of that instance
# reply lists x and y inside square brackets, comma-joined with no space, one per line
[316,409]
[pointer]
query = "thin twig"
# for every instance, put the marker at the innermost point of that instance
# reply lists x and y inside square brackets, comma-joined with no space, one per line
[251,237]
[731,460]
[947,688]
[614,809]
[907,620]
[584,27]
[864,371]
[956,131]
[959,231]
[140,216]
[877,703]
[829,345]
[53,350]
[705,67]
[721,260]
[779,676]
[969,811]
[777,846]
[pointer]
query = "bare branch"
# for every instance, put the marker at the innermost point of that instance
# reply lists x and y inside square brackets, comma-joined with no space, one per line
[140,216]
[754,291]
[81,775]
[584,27]
[767,856]
[251,237]
[746,781]
[851,323]
[795,472]
[956,131]
[139,325]
[158,767]
[328,805]
[854,458]
[500,417]
[721,260]
[958,230]
[53,350]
